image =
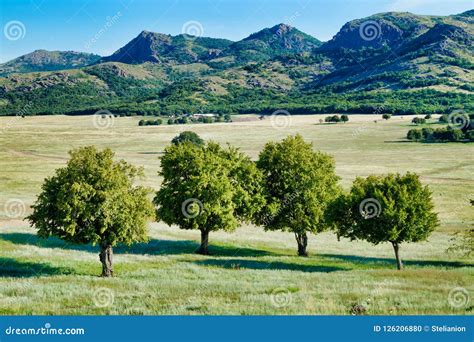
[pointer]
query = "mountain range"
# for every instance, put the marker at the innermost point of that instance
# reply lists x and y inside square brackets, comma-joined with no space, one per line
[389,58]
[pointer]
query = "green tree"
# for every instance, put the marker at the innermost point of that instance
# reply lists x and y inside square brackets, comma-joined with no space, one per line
[299,185]
[344,118]
[207,188]
[93,200]
[395,208]
[414,134]
[188,136]
[386,116]
[443,118]
[418,121]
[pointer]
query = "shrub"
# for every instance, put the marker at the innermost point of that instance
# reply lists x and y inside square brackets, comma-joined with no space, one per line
[443,118]
[414,134]
[418,121]
[333,118]
[190,136]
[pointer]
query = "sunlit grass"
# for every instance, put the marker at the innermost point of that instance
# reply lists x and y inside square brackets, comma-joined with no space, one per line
[248,266]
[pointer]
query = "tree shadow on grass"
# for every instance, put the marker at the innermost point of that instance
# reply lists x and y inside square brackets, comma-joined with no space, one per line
[267,265]
[174,247]
[371,261]
[22,269]
[152,247]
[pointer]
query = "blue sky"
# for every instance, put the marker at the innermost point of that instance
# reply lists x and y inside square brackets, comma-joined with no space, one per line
[102,26]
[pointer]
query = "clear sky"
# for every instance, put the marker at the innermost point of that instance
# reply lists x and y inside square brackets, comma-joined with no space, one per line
[103,26]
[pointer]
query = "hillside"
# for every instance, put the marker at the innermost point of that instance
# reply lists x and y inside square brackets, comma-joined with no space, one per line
[404,62]
[163,48]
[42,60]
[402,50]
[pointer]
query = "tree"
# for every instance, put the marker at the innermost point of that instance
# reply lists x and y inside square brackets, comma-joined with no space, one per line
[414,134]
[395,208]
[386,116]
[299,185]
[418,121]
[188,136]
[344,118]
[333,118]
[443,118]
[93,200]
[207,188]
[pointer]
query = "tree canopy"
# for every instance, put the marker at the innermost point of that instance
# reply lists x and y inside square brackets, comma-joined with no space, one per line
[207,188]
[188,136]
[394,208]
[93,200]
[299,185]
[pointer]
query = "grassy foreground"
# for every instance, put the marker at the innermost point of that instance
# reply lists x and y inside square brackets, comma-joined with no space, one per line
[250,271]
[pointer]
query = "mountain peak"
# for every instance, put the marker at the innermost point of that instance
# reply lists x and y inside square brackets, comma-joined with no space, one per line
[159,48]
[282,28]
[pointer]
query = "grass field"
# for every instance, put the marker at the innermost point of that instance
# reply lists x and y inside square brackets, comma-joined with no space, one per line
[250,271]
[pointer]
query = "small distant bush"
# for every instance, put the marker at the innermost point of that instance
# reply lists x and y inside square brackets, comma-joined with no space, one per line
[344,118]
[156,122]
[414,134]
[427,116]
[443,118]
[189,136]
[386,116]
[333,118]
[418,121]
[426,132]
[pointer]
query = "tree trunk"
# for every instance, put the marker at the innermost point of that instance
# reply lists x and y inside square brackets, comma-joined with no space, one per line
[105,256]
[302,240]
[396,248]
[204,248]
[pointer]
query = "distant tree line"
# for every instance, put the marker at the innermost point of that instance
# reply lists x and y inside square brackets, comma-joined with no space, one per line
[186,119]
[128,97]
[460,129]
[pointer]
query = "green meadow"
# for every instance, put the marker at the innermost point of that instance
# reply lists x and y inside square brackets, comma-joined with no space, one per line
[250,271]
